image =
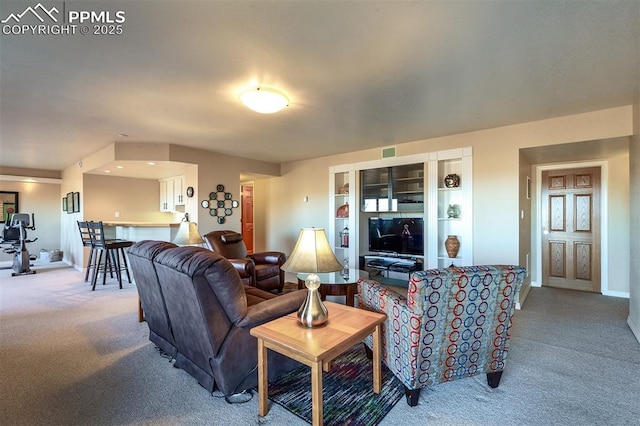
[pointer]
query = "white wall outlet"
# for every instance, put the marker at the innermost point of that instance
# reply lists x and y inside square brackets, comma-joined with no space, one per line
[117,214]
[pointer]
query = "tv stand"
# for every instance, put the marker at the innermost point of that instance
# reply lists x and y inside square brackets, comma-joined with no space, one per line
[393,265]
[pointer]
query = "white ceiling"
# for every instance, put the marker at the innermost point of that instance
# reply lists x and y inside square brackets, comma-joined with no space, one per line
[359,74]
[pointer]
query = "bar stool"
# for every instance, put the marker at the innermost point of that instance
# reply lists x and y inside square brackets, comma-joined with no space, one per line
[113,250]
[86,242]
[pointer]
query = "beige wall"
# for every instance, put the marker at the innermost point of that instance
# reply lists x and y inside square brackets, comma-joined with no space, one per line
[137,200]
[634,180]
[525,227]
[69,235]
[45,202]
[618,212]
[497,182]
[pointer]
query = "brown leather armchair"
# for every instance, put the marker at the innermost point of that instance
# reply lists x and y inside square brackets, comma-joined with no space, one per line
[261,270]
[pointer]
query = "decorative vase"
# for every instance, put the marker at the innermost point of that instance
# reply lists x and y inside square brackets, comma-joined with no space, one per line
[452,181]
[343,210]
[452,245]
[453,211]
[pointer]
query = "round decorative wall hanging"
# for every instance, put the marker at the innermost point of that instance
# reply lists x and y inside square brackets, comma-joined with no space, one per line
[220,204]
[190,191]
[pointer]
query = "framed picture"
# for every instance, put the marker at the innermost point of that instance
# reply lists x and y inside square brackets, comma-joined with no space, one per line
[69,202]
[9,204]
[65,206]
[76,202]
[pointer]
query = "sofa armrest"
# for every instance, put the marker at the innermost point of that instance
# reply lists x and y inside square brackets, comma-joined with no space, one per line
[272,257]
[245,267]
[377,297]
[273,308]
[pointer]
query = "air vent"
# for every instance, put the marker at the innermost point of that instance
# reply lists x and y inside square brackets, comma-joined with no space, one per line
[389,152]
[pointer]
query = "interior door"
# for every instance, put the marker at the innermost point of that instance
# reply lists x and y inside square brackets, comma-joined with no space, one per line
[571,228]
[247,216]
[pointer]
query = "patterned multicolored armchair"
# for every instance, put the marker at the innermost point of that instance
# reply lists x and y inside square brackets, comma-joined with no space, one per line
[454,323]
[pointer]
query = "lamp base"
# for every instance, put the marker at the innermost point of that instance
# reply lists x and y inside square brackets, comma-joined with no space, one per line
[312,313]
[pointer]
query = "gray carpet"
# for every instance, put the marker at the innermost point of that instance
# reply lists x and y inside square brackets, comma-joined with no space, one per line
[69,356]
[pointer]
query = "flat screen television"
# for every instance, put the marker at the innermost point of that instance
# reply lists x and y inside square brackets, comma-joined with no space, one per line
[401,236]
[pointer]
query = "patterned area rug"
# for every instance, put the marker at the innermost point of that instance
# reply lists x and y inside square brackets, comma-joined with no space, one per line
[289,286]
[348,397]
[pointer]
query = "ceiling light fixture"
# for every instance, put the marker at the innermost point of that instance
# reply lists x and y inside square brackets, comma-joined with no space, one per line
[264,100]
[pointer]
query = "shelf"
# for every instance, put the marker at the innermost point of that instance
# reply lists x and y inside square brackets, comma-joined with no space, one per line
[384,189]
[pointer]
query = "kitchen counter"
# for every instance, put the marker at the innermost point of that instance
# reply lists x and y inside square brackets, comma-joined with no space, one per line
[138,231]
[141,224]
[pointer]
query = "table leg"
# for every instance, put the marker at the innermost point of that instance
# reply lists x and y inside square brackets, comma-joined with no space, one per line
[316,393]
[140,311]
[263,406]
[351,292]
[377,367]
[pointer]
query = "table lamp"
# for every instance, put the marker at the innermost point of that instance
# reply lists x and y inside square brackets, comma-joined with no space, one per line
[312,254]
[188,233]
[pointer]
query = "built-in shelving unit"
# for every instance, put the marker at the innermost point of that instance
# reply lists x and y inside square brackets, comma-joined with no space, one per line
[406,187]
[343,229]
[450,204]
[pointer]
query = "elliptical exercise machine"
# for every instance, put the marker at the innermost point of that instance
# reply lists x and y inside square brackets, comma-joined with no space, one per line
[15,234]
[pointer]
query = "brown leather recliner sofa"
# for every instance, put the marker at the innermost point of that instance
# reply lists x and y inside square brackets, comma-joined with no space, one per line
[261,270]
[210,314]
[141,256]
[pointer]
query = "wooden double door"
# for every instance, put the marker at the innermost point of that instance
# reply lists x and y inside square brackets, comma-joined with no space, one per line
[571,228]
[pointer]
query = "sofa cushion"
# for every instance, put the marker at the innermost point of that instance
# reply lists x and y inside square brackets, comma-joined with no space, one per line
[266,270]
[255,295]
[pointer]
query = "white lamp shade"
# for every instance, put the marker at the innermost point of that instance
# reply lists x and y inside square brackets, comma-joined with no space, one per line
[264,100]
[188,234]
[312,253]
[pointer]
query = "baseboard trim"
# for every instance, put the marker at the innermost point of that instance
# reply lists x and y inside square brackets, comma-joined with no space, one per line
[524,292]
[74,266]
[623,294]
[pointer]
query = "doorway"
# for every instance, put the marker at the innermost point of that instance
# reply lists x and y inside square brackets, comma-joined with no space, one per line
[571,217]
[247,216]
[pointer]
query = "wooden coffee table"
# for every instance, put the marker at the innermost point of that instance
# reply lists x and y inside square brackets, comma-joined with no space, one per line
[337,284]
[317,347]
